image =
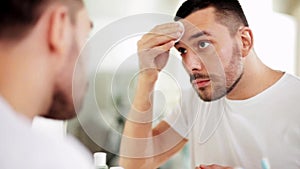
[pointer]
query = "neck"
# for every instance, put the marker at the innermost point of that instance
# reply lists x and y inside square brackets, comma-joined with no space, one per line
[22,80]
[257,77]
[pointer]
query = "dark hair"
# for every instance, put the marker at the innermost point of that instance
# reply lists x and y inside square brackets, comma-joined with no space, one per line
[17,17]
[228,12]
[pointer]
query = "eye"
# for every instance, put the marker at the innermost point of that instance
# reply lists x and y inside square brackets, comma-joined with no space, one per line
[182,51]
[203,44]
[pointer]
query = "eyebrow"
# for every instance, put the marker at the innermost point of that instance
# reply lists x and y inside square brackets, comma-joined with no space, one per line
[198,34]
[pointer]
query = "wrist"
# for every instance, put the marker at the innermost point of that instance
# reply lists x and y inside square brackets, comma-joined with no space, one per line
[148,77]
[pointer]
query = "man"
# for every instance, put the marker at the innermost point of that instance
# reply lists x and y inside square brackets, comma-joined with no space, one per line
[40,42]
[240,111]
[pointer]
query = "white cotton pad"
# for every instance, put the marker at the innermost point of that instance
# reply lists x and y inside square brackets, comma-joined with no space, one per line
[181,24]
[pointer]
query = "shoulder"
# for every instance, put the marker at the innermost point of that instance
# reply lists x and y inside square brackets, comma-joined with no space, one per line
[286,90]
[63,153]
[21,147]
[290,83]
[292,78]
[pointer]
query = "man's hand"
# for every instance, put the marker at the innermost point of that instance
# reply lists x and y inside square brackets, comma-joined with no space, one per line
[154,47]
[213,166]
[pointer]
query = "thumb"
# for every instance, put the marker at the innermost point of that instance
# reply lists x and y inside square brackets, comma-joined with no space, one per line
[162,59]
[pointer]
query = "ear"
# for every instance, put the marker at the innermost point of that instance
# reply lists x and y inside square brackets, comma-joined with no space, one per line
[60,32]
[246,40]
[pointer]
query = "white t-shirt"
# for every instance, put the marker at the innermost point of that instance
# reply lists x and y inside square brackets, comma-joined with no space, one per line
[239,133]
[21,147]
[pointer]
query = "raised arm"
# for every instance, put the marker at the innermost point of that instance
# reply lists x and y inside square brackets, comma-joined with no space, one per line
[142,146]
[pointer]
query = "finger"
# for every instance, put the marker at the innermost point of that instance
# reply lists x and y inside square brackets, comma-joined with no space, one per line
[202,166]
[156,57]
[215,166]
[161,60]
[167,28]
[169,31]
[158,40]
[154,52]
[158,50]
[163,48]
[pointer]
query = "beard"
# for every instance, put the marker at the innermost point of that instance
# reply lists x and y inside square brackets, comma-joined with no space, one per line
[61,108]
[223,84]
[64,106]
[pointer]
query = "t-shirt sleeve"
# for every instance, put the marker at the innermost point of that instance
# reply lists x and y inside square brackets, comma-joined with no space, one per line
[177,121]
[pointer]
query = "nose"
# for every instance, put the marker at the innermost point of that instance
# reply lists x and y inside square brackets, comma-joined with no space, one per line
[192,62]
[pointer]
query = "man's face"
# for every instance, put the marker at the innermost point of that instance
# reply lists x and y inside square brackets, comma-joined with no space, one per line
[210,55]
[64,101]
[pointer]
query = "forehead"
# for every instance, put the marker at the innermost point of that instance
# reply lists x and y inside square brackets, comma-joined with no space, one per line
[203,15]
[203,21]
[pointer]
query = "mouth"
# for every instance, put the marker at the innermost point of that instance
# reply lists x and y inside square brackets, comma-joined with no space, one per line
[201,83]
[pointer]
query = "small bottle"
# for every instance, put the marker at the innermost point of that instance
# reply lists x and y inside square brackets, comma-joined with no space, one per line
[265,163]
[100,160]
[117,167]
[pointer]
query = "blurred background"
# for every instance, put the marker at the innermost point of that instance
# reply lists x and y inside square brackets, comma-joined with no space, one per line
[275,24]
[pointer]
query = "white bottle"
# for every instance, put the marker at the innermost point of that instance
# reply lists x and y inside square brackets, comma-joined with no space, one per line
[100,160]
